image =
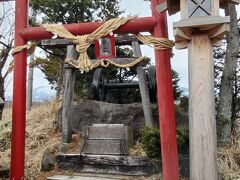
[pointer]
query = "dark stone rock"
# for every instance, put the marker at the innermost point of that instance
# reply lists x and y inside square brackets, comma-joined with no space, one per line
[96,112]
[4,173]
[48,161]
[90,112]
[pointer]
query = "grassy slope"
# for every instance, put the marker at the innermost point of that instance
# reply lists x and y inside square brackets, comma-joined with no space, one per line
[41,135]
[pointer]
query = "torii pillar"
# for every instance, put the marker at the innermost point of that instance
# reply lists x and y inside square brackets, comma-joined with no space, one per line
[19,94]
[167,121]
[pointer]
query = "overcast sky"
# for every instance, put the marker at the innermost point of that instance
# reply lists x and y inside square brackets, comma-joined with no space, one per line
[140,8]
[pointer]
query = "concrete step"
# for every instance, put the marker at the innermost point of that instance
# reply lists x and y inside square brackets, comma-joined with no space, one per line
[108,164]
[75,178]
[91,176]
[107,131]
[79,178]
[107,146]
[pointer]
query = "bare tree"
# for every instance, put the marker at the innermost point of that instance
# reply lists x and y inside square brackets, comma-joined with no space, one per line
[224,113]
[6,43]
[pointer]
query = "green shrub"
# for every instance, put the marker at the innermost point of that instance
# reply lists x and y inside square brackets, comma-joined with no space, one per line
[150,141]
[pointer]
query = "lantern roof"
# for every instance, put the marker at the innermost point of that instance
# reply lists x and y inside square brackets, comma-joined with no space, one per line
[173,6]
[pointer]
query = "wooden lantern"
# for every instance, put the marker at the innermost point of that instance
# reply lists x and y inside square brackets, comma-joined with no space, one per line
[209,6]
[196,8]
[202,15]
[105,47]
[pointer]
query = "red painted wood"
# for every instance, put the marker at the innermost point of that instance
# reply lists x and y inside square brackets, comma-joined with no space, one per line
[19,95]
[165,101]
[98,50]
[144,24]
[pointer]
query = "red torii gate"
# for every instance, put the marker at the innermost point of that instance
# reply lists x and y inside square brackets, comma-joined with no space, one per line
[157,25]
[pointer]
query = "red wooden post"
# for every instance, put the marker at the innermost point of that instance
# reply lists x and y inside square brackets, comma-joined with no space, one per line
[165,101]
[19,95]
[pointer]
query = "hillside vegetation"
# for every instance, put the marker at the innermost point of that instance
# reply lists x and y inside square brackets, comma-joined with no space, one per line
[41,135]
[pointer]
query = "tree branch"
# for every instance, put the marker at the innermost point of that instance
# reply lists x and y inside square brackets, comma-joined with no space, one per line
[49,52]
[4,44]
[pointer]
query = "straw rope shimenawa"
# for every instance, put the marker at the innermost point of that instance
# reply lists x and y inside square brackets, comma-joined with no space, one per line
[30,48]
[83,63]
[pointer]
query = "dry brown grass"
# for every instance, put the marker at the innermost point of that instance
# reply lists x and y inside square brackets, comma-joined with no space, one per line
[137,150]
[40,135]
[229,160]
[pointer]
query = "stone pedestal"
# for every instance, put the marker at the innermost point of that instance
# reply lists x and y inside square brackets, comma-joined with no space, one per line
[107,139]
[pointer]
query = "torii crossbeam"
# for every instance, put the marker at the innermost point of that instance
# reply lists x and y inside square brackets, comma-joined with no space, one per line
[157,25]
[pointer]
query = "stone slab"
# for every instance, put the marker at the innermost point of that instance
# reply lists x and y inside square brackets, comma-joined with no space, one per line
[78,178]
[108,125]
[115,147]
[106,132]
[91,176]
[120,165]
[108,164]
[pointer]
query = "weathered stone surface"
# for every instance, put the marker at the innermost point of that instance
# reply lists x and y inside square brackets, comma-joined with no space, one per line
[48,161]
[105,132]
[95,112]
[94,176]
[90,112]
[124,165]
[107,139]
[80,178]
[110,147]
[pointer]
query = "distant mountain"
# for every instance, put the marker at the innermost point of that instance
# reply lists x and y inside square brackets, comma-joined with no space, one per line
[43,93]
[185,91]
[40,94]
